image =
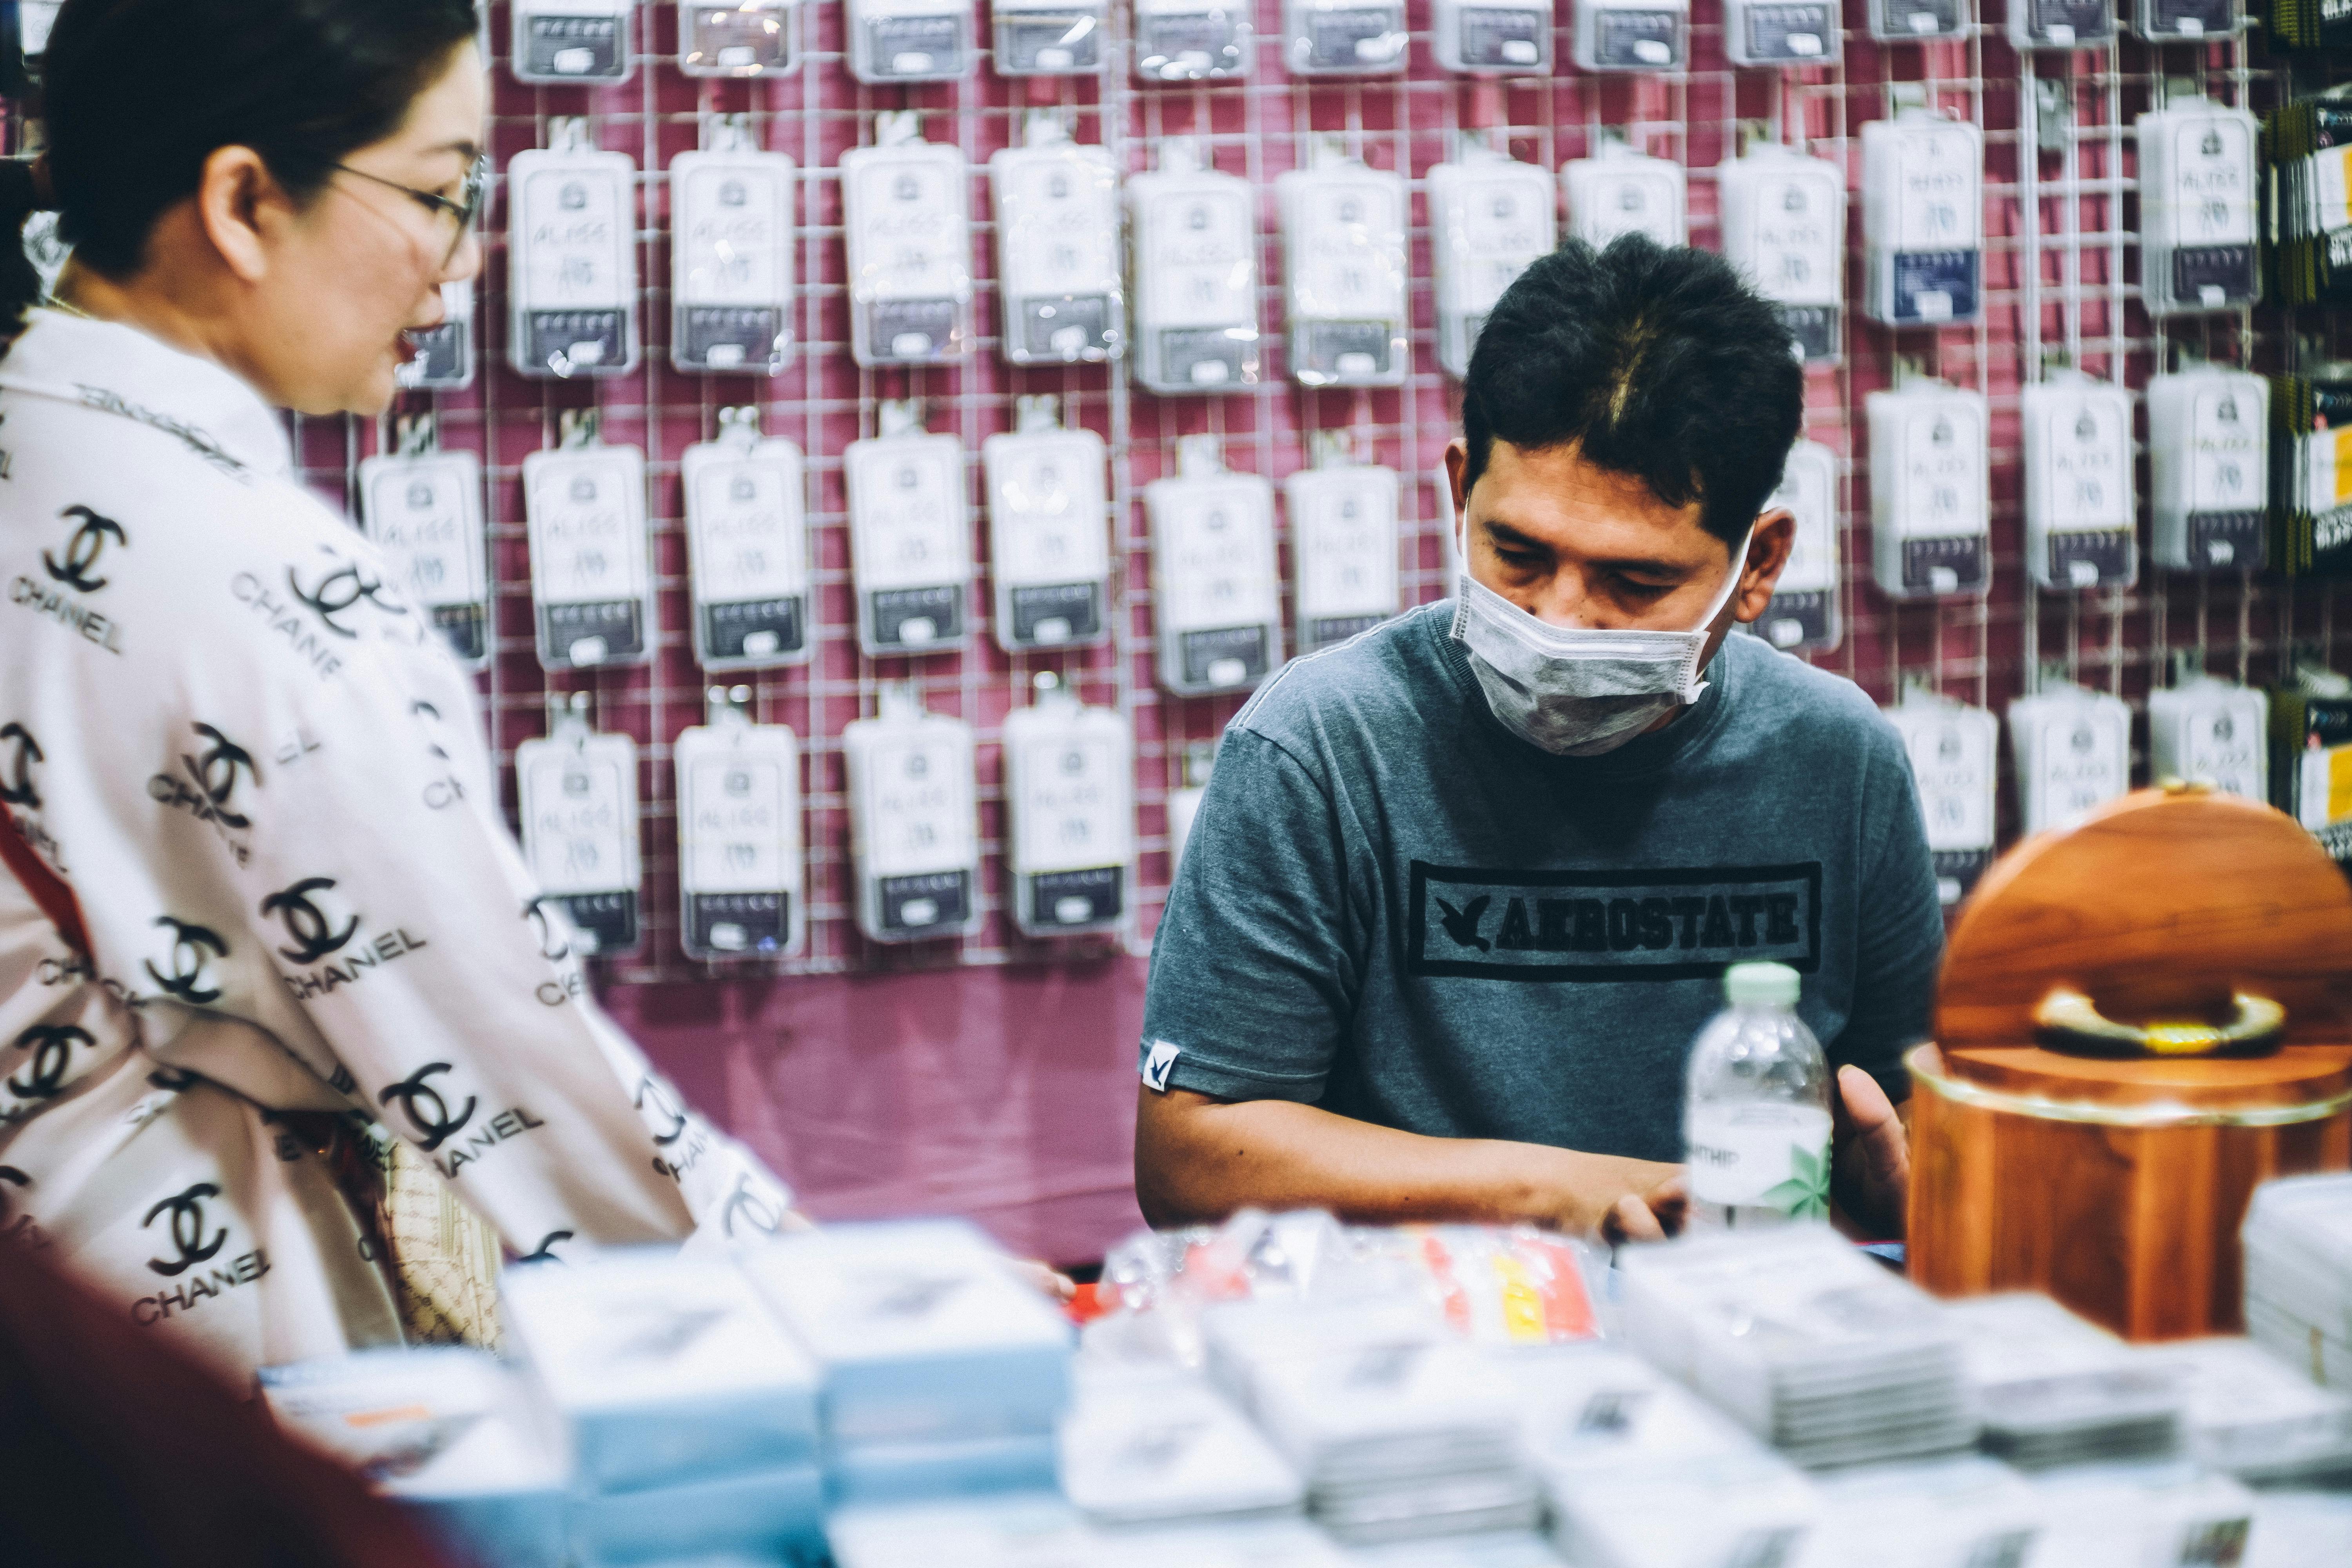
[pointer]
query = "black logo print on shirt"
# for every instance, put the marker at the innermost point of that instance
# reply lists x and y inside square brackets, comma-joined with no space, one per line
[187,1212]
[429,1114]
[189,944]
[338,592]
[755,1211]
[545,1251]
[19,790]
[307,923]
[83,549]
[1683,924]
[52,1047]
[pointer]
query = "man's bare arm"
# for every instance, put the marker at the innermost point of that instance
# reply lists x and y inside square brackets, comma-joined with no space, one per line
[1199,1159]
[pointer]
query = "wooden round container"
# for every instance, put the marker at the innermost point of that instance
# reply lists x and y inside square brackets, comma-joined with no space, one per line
[2118,1184]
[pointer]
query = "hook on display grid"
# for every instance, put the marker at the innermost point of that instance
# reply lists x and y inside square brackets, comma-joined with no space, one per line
[2060,271]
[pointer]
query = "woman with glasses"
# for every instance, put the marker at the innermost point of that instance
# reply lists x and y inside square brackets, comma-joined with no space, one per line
[274,979]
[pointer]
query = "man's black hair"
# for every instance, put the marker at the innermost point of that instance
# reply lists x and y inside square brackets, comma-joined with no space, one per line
[1657,363]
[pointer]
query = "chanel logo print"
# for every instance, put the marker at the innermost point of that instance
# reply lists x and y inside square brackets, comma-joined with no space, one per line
[545,1251]
[52,1047]
[19,790]
[305,923]
[189,945]
[187,1212]
[338,590]
[551,945]
[216,773]
[649,1091]
[756,1211]
[427,1112]
[82,551]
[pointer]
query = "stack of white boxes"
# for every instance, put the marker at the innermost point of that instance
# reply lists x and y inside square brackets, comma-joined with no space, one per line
[692,1412]
[453,1435]
[944,1371]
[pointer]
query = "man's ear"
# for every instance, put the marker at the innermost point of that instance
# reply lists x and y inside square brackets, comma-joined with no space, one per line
[1457,463]
[236,199]
[1768,556]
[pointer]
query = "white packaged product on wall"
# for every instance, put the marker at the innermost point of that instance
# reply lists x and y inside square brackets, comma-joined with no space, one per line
[2187,21]
[1492,37]
[1057,262]
[1048,532]
[1784,226]
[910,40]
[1929,484]
[2079,512]
[2198,207]
[1195,250]
[1922,219]
[1192,40]
[731,232]
[1803,613]
[1344,37]
[2212,731]
[1343,549]
[1619,191]
[574,42]
[2061,25]
[1343,246]
[914,820]
[908,233]
[739,38]
[1490,216]
[909,537]
[1919,21]
[747,547]
[576,793]
[1783,32]
[443,354]
[1069,792]
[1050,37]
[2072,748]
[740,865]
[572,258]
[1633,35]
[591,584]
[2208,468]
[1952,750]
[1215,587]
[423,506]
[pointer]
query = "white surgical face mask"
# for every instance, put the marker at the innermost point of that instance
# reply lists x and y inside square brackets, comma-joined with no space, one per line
[1577,693]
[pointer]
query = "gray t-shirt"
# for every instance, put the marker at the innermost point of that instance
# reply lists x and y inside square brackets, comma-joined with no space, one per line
[1394,908]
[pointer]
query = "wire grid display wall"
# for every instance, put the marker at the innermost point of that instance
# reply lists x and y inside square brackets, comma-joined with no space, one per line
[2060,272]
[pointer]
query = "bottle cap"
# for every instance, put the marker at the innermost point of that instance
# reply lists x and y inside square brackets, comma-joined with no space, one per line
[1761,985]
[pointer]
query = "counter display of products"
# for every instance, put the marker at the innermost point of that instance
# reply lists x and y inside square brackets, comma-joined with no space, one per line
[1284,1392]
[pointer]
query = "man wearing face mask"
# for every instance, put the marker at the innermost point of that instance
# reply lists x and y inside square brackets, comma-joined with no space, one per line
[1462,892]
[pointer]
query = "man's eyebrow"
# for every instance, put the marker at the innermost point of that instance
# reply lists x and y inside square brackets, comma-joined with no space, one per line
[466,150]
[1503,534]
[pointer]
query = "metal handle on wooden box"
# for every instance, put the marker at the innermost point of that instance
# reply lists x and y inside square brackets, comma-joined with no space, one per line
[2067,1018]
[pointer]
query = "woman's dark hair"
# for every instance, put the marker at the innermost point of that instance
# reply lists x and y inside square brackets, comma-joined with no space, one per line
[1659,362]
[137,94]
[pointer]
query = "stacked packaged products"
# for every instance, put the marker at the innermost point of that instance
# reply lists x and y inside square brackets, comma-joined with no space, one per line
[2298,1245]
[1286,1392]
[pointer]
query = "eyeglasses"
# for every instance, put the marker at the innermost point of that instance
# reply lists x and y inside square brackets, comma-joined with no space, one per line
[466,209]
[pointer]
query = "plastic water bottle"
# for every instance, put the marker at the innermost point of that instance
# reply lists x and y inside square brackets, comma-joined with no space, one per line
[1757,1118]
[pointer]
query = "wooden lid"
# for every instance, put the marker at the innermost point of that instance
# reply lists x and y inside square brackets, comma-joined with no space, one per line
[2158,907]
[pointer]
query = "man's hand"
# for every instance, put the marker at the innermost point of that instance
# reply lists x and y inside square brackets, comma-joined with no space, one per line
[1870,1154]
[1653,1216]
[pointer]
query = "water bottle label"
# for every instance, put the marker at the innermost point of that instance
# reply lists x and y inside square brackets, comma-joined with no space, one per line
[1773,1156]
